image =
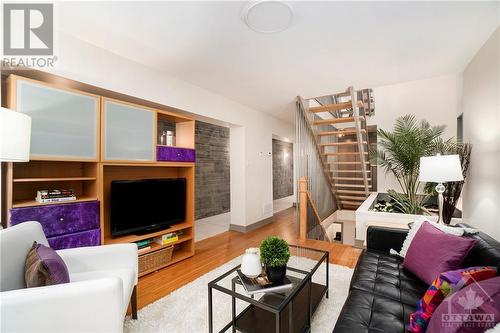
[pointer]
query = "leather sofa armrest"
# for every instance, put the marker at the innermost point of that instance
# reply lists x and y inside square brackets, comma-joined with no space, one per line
[383,239]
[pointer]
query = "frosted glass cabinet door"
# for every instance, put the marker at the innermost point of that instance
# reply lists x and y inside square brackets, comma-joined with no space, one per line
[64,124]
[128,132]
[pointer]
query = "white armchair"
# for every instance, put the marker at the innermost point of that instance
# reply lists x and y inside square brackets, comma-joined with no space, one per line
[102,281]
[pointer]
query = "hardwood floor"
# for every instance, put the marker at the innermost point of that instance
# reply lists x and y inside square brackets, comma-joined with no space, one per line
[217,250]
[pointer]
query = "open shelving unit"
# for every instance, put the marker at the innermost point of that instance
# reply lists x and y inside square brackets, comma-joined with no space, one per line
[28,178]
[182,127]
[184,247]
[85,168]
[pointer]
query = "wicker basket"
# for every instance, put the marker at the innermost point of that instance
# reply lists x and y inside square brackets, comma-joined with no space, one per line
[156,259]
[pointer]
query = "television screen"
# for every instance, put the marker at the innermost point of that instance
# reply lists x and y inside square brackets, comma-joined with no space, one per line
[146,205]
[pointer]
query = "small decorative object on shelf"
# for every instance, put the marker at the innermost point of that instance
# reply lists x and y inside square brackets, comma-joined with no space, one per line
[44,196]
[170,140]
[274,254]
[163,138]
[250,263]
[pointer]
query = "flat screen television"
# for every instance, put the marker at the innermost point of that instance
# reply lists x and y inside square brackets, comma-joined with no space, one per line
[146,205]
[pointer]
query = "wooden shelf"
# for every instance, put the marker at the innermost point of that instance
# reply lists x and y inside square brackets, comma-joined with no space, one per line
[136,238]
[156,247]
[29,203]
[178,255]
[180,147]
[56,179]
[152,164]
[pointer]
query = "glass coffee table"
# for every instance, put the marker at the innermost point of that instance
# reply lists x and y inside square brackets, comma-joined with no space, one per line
[286,311]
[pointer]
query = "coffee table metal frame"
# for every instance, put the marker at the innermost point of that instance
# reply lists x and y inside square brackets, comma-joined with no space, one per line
[305,282]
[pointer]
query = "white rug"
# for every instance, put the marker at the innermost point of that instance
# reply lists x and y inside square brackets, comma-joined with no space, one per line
[186,309]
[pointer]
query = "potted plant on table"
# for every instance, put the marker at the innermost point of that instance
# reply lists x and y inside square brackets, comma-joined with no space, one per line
[274,253]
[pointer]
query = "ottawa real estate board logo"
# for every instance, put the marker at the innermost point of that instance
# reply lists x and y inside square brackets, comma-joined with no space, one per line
[28,35]
[474,310]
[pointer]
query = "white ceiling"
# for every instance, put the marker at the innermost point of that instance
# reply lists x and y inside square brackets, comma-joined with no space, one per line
[329,46]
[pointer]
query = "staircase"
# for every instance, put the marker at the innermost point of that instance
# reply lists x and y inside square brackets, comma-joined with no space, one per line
[338,124]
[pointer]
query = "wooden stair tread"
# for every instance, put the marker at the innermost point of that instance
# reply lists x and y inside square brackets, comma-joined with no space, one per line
[349,185]
[344,154]
[349,197]
[343,132]
[351,192]
[350,203]
[354,162]
[350,178]
[342,143]
[334,107]
[334,121]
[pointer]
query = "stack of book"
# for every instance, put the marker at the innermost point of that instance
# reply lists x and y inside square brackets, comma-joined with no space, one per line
[44,196]
[143,245]
[167,238]
[261,284]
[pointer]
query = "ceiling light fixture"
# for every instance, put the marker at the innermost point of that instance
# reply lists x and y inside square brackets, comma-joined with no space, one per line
[268,16]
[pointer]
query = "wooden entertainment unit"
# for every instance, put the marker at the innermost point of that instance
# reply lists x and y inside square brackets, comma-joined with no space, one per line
[84,138]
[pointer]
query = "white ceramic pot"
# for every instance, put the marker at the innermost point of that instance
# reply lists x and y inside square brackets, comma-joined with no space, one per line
[250,263]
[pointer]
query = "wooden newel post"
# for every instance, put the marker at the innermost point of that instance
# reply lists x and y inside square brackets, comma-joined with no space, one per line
[303,208]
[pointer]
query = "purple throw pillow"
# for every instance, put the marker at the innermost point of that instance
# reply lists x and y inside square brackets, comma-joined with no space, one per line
[44,267]
[475,308]
[432,252]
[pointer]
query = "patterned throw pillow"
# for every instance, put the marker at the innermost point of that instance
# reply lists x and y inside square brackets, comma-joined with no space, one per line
[444,285]
[470,310]
[44,267]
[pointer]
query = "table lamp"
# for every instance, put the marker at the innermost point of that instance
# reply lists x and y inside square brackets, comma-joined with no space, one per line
[15,136]
[440,169]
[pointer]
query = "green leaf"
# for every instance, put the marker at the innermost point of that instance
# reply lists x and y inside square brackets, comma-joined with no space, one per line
[274,252]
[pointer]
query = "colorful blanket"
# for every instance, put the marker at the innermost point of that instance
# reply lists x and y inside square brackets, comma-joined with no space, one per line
[444,285]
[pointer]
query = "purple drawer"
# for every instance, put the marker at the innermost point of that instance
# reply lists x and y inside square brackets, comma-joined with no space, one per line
[60,219]
[174,154]
[77,239]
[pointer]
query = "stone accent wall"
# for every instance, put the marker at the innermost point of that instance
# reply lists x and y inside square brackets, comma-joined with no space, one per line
[212,196]
[282,169]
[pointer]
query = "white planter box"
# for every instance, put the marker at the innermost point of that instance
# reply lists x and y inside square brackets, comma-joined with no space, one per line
[366,218]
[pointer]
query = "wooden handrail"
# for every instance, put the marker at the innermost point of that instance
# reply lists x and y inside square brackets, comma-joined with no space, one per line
[303,208]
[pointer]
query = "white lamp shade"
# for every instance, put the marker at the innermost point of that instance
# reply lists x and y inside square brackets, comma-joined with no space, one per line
[15,136]
[440,169]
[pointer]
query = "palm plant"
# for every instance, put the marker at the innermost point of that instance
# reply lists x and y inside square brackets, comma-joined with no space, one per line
[453,189]
[399,153]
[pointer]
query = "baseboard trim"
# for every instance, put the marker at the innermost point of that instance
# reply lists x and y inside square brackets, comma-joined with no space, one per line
[253,226]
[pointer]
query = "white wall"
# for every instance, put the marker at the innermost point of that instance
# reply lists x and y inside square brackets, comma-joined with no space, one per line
[435,100]
[251,183]
[481,113]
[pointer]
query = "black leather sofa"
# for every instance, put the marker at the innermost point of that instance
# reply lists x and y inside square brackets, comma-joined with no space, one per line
[382,294]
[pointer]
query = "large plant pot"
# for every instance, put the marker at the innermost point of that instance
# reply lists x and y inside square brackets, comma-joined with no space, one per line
[276,274]
[366,217]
